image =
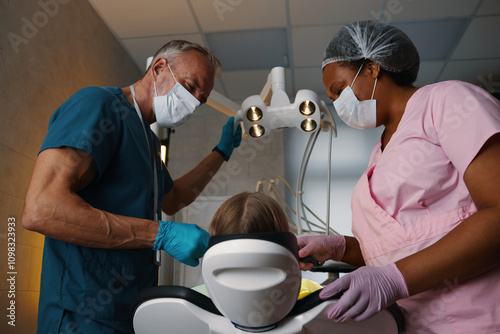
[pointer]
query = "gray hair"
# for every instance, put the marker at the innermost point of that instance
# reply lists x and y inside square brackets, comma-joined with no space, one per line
[177,47]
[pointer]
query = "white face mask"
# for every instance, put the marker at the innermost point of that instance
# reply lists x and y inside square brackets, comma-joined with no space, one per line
[355,113]
[176,107]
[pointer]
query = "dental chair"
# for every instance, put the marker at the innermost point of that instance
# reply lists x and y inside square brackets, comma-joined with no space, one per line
[253,281]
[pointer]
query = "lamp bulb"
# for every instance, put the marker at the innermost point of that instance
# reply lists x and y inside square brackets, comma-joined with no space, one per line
[308,125]
[256,131]
[307,108]
[254,114]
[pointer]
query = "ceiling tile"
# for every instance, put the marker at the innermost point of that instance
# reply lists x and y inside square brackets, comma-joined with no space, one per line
[480,40]
[309,78]
[131,18]
[425,9]
[242,84]
[485,73]
[223,15]
[309,44]
[428,73]
[433,39]
[489,7]
[250,50]
[142,48]
[332,11]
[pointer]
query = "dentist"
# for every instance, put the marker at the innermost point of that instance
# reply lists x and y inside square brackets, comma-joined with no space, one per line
[99,186]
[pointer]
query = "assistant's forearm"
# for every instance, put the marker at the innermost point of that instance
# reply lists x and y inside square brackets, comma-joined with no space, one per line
[188,187]
[352,253]
[470,249]
[69,218]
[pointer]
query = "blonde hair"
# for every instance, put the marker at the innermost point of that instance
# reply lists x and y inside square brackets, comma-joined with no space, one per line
[249,213]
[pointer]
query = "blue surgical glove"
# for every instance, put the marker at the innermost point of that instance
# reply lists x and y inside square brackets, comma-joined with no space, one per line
[229,139]
[185,242]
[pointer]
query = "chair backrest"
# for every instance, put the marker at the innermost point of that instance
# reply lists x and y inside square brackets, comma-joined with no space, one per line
[253,279]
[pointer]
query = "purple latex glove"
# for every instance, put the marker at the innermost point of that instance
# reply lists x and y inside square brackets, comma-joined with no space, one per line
[369,291]
[321,247]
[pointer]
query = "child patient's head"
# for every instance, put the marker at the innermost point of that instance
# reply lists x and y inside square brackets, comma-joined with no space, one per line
[249,213]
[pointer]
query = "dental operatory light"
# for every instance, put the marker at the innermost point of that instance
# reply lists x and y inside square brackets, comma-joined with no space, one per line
[272,108]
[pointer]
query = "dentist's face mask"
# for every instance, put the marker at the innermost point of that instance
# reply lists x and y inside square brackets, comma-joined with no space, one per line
[176,107]
[355,113]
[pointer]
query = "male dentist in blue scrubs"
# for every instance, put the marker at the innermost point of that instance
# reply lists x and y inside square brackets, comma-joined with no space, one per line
[99,186]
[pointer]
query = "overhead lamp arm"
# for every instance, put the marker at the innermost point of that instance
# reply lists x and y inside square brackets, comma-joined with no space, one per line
[275,82]
[221,103]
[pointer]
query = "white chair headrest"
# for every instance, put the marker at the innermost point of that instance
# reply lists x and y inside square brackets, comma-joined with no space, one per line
[253,279]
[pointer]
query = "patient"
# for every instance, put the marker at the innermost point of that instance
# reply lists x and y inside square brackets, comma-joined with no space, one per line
[248,213]
[253,213]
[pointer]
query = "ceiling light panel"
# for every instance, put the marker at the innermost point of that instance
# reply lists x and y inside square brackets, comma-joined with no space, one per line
[131,18]
[426,9]
[223,15]
[332,11]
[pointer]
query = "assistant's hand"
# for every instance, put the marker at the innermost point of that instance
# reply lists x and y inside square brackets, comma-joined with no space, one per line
[369,290]
[229,138]
[321,247]
[185,242]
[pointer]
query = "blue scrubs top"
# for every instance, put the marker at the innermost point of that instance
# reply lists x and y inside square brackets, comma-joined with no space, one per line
[89,290]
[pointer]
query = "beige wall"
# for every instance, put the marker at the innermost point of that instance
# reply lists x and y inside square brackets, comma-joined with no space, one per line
[46,54]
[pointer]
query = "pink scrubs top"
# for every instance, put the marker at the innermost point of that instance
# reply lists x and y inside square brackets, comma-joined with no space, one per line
[413,194]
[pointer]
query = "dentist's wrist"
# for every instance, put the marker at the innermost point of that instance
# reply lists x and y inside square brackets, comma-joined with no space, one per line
[224,155]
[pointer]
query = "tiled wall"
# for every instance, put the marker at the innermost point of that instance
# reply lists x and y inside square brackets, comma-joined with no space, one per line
[48,50]
[254,160]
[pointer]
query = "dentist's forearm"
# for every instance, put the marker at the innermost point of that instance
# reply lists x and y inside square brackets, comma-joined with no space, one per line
[69,218]
[187,188]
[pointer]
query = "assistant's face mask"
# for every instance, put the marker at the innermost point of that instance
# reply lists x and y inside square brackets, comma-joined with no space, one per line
[355,113]
[176,107]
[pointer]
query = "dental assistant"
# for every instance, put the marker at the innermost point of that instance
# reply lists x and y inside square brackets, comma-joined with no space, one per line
[426,212]
[99,186]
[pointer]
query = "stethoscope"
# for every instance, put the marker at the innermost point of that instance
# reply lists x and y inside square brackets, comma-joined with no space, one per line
[157,254]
